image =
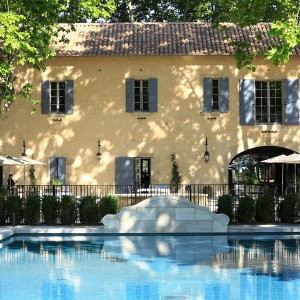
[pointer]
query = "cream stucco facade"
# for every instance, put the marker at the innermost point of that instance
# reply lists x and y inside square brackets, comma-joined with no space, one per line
[180,126]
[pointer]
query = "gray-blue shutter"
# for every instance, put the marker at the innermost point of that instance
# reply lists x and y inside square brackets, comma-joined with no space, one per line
[207,94]
[153,97]
[69,86]
[247,101]
[53,168]
[129,95]
[45,97]
[61,169]
[224,94]
[124,174]
[291,107]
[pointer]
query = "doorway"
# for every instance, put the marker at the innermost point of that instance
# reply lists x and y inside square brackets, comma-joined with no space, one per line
[142,172]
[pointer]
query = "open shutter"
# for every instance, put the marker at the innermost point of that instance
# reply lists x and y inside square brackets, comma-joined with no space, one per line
[124,174]
[129,95]
[61,169]
[291,107]
[224,94]
[153,98]
[69,86]
[247,102]
[45,97]
[207,94]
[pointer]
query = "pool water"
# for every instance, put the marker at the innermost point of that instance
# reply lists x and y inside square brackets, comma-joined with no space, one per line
[150,267]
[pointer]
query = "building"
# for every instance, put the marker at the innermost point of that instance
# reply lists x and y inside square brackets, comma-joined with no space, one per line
[147,91]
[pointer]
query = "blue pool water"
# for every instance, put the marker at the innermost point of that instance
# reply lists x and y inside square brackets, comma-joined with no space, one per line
[150,267]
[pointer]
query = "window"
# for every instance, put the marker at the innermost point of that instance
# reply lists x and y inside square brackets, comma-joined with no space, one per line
[268,102]
[215,94]
[141,95]
[57,97]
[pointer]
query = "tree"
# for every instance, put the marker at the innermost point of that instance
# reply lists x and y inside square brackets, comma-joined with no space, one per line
[176,177]
[27,30]
[284,16]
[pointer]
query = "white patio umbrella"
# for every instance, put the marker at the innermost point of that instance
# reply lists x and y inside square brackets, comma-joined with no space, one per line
[280,159]
[294,159]
[285,159]
[26,161]
[4,161]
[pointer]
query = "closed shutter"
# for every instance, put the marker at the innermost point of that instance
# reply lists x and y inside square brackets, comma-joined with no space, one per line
[207,94]
[247,102]
[53,168]
[61,165]
[124,174]
[45,97]
[129,95]
[224,94]
[69,86]
[291,106]
[58,168]
[153,97]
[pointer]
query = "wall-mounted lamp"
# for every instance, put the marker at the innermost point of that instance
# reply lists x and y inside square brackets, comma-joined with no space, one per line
[206,153]
[98,154]
[24,150]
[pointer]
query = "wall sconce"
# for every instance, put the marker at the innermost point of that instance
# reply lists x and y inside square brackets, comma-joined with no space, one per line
[24,150]
[98,154]
[206,153]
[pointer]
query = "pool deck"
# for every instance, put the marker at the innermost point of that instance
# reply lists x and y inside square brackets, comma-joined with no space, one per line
[7,231]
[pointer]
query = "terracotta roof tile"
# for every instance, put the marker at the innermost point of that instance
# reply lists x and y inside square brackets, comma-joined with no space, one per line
[131,39]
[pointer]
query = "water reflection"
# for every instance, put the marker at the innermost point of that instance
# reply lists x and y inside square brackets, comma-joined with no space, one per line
[151,267]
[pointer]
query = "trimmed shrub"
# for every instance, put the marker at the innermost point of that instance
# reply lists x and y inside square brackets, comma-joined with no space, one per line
[14,206]
[108,205]
[89,211]
[50,209]
[246,209]
[288,211]
[68,210]
[265,209]
[2,210]
[226,206]
[32,210]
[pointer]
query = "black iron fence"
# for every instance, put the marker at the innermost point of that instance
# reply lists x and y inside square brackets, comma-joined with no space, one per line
[201,194]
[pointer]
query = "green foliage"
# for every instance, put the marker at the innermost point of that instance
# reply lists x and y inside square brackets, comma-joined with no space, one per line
[226,206]
[27,31]
[176,178]
[32,207]
[108,205]
[2,209]
[68,211]
[50,209]
[14,206]
[288,208]
[246,210]
[265,209]
[56,182]
[89,211]
[32,175]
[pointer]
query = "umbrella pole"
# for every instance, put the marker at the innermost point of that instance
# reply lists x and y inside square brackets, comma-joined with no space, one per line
[24,175]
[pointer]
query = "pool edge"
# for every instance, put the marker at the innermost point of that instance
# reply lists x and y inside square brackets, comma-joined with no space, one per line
[7,232]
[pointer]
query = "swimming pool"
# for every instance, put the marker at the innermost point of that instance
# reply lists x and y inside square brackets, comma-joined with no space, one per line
[150,267]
